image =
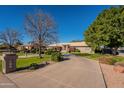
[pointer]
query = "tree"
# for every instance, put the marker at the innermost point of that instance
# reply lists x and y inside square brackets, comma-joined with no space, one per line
[10,37]
[41,27]
[18,43]
[107,30]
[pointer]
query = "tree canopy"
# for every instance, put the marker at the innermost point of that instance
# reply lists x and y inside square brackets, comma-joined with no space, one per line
[41,27]
[10,38]
[107,29]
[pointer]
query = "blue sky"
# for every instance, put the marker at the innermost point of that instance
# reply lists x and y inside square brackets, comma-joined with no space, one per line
[71,21]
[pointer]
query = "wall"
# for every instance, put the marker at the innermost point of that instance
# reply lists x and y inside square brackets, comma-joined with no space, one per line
[84,49]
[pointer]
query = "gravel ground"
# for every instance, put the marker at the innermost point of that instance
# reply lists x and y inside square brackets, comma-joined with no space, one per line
[113,79]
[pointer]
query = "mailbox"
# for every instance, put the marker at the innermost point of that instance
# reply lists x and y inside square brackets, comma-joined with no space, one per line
[9,62]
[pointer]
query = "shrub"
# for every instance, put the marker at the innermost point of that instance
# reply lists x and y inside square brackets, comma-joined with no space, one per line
[49,51]
[85,54]
[33,50]
[112,62]
[77,50]
[56,56]
[118,58]
[34,66]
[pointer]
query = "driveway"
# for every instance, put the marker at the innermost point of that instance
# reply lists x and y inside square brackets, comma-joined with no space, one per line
[74,72]
[5,82]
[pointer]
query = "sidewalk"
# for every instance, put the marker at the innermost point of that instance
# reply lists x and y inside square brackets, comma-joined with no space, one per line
[5,82]
[112,78]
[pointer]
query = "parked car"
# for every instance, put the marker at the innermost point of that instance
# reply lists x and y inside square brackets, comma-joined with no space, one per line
[109,51]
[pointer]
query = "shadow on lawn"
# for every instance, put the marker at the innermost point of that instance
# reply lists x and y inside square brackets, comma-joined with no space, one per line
[65,58]
[37,66]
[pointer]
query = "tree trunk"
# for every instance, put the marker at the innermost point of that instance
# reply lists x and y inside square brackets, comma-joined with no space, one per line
[10,49]
[40,46]
[40,51]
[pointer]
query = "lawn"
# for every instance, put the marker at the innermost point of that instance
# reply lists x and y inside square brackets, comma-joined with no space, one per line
[20,54]
[23,54]
[90,56]
[64,53]
[97,56]
[24,62]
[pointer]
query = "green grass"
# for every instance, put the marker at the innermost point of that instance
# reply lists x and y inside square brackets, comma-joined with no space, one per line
[94,56]
[118,58]
[97,56]
[63,53]
[90,56]
[24,62]
[20,54]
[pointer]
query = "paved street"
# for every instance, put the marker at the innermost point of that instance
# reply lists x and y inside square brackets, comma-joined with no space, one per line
[75,72]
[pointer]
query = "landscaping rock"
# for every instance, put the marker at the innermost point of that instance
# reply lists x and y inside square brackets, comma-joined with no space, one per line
[119,63]
[119,69]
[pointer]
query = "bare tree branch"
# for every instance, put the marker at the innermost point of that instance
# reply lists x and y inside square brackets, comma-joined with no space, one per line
[10,37]
[41,27]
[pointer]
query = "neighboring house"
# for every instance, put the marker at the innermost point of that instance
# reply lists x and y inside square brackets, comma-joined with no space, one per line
[29,47]
[82,46]
[7,49]
[22,47]
[121,51]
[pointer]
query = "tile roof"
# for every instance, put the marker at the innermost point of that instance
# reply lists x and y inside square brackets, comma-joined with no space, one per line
[71,44]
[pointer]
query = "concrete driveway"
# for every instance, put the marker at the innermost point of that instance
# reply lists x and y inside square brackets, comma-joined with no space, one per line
[74,72]
[5,82]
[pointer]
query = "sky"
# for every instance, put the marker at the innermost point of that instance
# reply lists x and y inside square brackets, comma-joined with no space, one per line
[72,21]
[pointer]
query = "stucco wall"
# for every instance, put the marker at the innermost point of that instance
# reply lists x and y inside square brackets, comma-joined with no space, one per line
[84,49]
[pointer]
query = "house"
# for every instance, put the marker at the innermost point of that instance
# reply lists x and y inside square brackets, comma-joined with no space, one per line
[121,51]
[29,47]
[23,47]
[66,47]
